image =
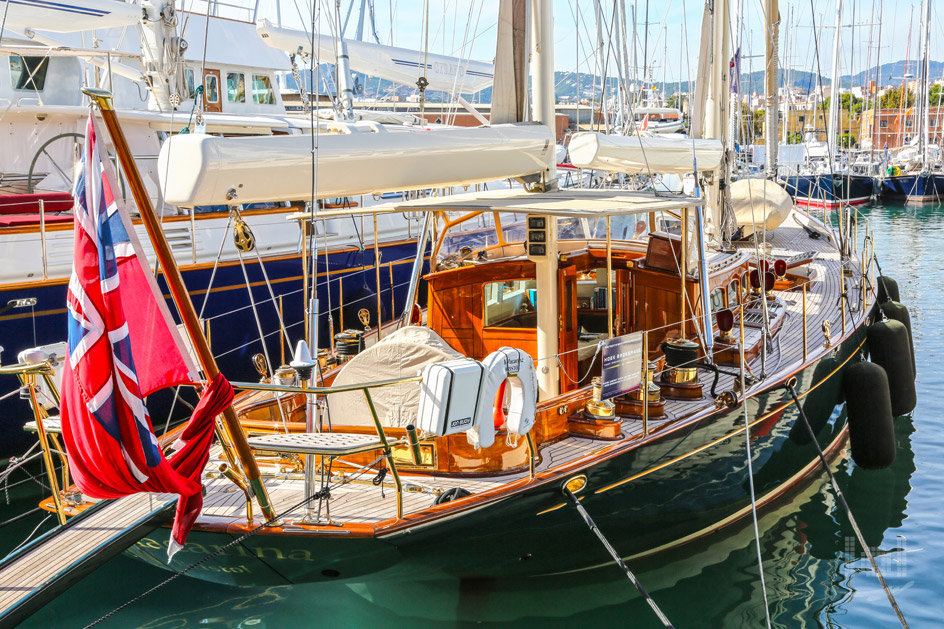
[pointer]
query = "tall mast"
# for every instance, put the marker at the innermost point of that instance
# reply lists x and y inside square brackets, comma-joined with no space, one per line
[546,266]
[832,133]
[786,83]
[878,77]
[925,87]
[645,48]
[771,36]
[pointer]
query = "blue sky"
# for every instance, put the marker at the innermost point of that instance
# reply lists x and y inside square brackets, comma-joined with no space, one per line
[467,28]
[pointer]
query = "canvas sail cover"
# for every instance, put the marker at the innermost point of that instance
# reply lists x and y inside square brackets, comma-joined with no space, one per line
[659,154]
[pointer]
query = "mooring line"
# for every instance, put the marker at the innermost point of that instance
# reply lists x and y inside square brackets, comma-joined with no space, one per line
[790,386]
[619,561]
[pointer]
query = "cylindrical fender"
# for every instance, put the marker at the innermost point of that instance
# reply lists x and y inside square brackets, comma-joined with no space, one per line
[889,345]
[899,312]
[869,406]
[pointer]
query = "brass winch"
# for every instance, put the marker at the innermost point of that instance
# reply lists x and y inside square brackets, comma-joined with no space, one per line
[648,389]
[598,408]
[680,358]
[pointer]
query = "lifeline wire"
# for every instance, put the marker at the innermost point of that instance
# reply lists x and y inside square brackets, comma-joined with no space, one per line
[606,544]
[790,386]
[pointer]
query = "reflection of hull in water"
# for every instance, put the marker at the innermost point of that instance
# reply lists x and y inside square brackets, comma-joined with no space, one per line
[803,542]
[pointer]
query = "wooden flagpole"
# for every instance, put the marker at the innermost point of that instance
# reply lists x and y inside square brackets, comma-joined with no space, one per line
[178,290]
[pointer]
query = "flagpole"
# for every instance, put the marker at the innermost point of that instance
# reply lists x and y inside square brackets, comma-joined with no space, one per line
[103,99]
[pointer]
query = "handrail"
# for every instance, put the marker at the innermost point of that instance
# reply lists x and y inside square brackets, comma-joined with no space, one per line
[43,368]
[281,388]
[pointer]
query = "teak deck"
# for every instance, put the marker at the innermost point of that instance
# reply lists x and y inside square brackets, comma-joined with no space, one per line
[366,504]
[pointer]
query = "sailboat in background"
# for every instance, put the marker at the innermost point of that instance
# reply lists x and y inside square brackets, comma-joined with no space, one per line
[921,184]
[830,184]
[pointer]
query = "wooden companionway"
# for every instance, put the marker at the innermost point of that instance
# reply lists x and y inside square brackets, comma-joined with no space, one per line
[52,563]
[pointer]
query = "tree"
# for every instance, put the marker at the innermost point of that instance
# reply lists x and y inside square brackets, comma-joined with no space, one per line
[936,95]
[892,99]
[846,101]
[847,140]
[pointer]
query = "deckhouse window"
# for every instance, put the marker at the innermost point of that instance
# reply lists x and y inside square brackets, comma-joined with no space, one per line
[188,83]
[734,292]
[511,304]
[262,93]
[211,84]
[235,87]
[718,300]
[28,73]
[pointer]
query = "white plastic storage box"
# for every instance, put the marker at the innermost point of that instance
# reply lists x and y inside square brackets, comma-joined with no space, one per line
[448,396]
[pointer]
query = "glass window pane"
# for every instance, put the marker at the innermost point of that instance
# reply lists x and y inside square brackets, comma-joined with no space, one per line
[188,82]
[235,87]
[510,304]
[28,73]
[262,90]
[212,86]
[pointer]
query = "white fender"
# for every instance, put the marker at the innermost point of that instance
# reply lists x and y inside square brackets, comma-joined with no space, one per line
[518,367]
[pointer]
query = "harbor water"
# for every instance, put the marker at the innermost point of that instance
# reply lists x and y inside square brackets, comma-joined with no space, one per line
[816,574]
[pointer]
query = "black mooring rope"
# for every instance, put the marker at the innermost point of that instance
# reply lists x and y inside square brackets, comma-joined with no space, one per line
[790,386]
[619,561]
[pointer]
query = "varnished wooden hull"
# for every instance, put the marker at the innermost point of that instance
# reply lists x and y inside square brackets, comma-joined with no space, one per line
[683,482]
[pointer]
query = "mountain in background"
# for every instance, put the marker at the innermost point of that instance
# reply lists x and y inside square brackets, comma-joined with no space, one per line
[572,87]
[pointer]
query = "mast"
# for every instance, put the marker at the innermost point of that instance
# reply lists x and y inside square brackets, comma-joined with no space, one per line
[878,82]
[787,83]
[832,133]
[546,266]
[771,36]
[925,87]
[178,290]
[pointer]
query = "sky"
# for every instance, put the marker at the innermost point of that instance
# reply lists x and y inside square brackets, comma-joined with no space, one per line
[466,28]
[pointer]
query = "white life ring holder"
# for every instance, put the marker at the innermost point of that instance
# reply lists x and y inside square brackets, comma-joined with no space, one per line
[517,367]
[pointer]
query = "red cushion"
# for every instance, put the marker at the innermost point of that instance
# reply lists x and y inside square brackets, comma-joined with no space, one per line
[29,203]
[25,220]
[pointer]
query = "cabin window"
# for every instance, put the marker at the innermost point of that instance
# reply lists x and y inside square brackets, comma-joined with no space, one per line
[235,87]
[28,73]
[511,304]
[211,83]
[262,93]
[734,293]
[718,300]
[591,302]
[745,286]
[188,83]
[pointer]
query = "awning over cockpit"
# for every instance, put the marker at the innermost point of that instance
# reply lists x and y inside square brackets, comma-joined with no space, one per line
[572,202]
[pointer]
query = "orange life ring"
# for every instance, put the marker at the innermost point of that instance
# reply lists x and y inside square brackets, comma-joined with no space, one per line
[498,411]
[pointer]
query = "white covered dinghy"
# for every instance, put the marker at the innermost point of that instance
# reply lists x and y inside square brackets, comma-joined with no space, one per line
[643,154]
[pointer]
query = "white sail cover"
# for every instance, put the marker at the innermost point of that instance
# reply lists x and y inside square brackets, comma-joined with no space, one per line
[363,158]
[400,65]
[401,355]
[68,17]
[644,154]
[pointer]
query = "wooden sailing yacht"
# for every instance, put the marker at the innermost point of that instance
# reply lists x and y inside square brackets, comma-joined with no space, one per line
[645,371]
